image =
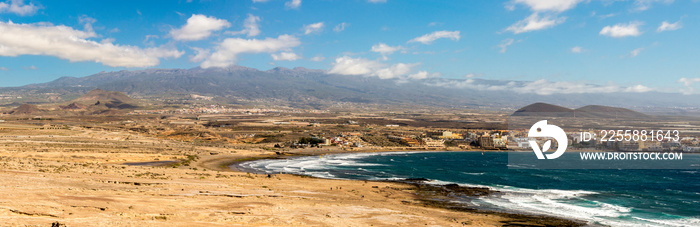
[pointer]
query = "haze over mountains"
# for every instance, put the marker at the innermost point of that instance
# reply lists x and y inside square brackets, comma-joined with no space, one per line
[301,87]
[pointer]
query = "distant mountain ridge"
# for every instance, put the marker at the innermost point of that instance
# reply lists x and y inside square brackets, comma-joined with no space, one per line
[549,110]
[310,88]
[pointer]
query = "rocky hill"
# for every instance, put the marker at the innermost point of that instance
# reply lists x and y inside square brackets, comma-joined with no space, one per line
[25,109]
[589,111]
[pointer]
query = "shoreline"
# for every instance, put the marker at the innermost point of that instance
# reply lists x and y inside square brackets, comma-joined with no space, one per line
[425,195]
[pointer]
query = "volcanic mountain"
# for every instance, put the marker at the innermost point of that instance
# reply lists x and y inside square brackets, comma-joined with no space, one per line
[109,99]
[548,110]
[25,109]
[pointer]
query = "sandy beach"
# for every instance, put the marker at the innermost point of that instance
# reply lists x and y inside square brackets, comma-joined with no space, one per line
[77,177]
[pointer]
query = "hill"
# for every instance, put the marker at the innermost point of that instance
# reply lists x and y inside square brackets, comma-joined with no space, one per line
[543,107]
[608,111]
[25,109]
[591,111]
[99,95]
[101,99]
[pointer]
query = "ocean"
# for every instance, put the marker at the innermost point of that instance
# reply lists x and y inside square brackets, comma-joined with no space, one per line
[638,197]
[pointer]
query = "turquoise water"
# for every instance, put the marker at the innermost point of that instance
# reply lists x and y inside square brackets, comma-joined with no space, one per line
[611,197]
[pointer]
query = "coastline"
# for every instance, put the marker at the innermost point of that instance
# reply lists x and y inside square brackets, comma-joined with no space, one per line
[423,194]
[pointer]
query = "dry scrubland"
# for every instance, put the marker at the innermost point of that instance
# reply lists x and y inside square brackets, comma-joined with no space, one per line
[76,176]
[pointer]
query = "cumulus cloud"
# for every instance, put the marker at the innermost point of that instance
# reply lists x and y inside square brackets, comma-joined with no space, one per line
[642,5]
[313,28]
[472,75]
[200,54]
[422,75]
[360,66]
[226,53]
[293,4]
[285,56]
[540,87]
[544,14]
[18,7]
[534,22]
[622,30]
[394,71]
[546,5]
[74,45]
[251,27]
[384,49]
[199,27]
[504,44]
[688,85]
[340,27]
[666,26]
[577,49]
[429,38]
[354,66]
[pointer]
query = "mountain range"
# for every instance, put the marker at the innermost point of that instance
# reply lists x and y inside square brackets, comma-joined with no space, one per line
[309,88]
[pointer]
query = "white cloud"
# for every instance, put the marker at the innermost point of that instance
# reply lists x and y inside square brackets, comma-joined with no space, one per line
[256,1]
[199,27]
[622,30]
[636,52]
[666,26]
[74,45]
[293,4]
[285,56]
[31,67]
[577,49]
[504,44]
[251,27]
[642,5]
[422,75]
[87,23]
[313,28]
[540,87]
[472,75]
[200,54]
[376,1]
[534,22]
[317,58]
[429,38]
[4,68]
[354,66]
[688,83]
[226,53]
[550,9]
[18,7]
[547,5]
[394,71]
[360,66]
[340,27]
[605,16]
[386,49]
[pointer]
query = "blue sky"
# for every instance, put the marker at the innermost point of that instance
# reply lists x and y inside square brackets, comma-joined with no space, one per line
[571,45]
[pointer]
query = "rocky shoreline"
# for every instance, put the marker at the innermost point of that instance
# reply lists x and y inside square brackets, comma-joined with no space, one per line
[442,197]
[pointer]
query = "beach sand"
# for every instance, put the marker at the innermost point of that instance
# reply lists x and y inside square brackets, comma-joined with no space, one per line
[79,179]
